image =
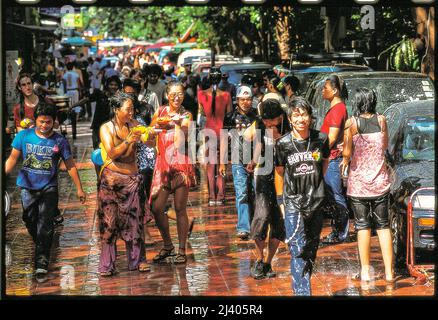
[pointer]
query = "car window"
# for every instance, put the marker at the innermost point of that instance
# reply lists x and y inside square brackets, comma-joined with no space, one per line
[419,139]
[392,90]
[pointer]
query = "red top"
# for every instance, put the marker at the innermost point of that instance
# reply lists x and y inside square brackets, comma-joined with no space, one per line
[28,113]
[216,121]
[335,118]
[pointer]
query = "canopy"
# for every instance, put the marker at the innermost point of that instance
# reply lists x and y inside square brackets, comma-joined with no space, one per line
[77,41]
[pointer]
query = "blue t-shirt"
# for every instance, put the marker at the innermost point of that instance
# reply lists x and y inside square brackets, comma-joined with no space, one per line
[41,157]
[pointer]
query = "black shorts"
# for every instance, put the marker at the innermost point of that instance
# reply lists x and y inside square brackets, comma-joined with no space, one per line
[267,214]
[370,212]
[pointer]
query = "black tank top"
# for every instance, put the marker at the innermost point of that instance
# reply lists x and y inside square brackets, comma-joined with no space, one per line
[368,125]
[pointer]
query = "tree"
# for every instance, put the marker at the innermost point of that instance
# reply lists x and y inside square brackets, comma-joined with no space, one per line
[424,18]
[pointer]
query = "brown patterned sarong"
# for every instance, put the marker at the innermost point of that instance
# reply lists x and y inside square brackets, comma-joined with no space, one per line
[120,210]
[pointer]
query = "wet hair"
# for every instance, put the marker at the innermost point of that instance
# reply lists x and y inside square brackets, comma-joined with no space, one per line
[155,69]
[292,81]
[336,82]
[364,101]
[43,109]
[113,78]
[299,103]
[276,83]
[270,109]
[117,101]
[214,77]
[20,93]
[128,82]
[174,83]
[205,83]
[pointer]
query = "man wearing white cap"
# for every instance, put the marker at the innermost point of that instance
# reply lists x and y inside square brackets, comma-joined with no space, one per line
[236,122]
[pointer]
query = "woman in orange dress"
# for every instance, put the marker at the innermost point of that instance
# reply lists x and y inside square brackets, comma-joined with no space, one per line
[173,172]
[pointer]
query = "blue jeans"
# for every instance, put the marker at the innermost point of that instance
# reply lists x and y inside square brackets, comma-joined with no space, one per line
[333,180]
[302,236]
[39,209]
[243,186]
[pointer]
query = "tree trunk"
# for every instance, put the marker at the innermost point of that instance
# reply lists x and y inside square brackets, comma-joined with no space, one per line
[283,32]
[425,18]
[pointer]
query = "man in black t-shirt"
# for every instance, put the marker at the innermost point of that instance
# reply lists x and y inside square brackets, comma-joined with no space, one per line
[301,160]
[237,121]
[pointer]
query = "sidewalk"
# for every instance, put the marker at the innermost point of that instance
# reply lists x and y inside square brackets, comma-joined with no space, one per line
[218,262]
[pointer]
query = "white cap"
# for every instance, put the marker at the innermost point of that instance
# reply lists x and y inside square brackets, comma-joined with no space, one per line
[244,92]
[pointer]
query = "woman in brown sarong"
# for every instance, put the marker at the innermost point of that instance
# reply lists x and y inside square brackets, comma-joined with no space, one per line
[120,208]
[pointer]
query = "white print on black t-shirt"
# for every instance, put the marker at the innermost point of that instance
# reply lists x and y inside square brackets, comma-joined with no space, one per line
[303,169]
[299,157]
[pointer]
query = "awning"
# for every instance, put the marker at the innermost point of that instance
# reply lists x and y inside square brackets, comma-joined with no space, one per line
[33,28]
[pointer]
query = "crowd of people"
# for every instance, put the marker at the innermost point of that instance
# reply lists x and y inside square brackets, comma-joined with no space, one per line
[284,171]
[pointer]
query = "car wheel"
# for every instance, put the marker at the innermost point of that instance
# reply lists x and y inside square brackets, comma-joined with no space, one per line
[398,229]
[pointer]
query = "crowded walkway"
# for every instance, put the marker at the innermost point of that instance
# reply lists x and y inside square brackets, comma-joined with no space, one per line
[218,262]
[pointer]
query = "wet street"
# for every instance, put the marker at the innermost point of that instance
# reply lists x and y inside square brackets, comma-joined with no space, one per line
[218,262]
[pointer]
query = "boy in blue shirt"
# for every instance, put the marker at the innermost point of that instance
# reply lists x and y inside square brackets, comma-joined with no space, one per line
[42,149]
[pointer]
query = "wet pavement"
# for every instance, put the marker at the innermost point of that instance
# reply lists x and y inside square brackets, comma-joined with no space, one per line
[218,262]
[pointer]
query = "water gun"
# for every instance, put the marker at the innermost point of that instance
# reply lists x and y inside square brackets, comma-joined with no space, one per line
[26,123]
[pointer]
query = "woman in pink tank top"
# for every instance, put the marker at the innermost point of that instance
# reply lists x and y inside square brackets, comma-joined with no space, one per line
[365,143]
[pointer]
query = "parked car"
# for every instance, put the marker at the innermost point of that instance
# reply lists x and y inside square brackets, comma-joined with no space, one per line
[391,87]
[238,70]
[411,133]
[307,72]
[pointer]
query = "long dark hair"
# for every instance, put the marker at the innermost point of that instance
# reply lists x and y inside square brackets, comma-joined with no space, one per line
[117,101]
[364,101]
[19,92]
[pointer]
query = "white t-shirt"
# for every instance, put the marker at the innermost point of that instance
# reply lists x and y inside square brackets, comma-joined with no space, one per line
[71,78]
[153,100]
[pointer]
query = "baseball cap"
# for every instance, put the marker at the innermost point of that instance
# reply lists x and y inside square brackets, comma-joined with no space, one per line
[244,92]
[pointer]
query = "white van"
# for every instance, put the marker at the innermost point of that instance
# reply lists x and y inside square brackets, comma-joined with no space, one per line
[192,54]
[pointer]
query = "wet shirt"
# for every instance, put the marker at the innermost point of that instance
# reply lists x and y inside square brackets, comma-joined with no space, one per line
[303,187]
[41,157]
[335,118]
[236,119]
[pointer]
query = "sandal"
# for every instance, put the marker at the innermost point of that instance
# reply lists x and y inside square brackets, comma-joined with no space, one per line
[180,259]
[163,254]
[144,267]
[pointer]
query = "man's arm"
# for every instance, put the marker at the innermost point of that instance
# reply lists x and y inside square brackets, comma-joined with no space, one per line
[12,160]
[333,136]
[73,172]
[279,182]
